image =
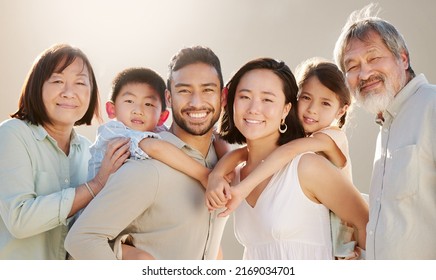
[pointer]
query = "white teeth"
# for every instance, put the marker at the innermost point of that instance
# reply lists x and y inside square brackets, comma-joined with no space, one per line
[253,121]
[197,115]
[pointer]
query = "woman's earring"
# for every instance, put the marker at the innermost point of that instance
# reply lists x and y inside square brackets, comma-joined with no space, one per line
[283,127]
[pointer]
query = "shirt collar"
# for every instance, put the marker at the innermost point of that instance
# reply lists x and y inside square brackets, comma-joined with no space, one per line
[173,139]
[403,95]
[40,134]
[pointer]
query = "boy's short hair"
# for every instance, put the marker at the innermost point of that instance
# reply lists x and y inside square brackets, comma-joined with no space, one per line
[139,76]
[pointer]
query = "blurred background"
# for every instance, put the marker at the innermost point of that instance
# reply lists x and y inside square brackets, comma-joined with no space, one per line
[141,33]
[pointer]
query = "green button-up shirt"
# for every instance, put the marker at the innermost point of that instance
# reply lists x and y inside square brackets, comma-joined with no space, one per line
[37,182]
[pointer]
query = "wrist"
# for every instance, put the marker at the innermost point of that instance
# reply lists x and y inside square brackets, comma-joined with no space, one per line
[241,190]
[89,189]
[96,184]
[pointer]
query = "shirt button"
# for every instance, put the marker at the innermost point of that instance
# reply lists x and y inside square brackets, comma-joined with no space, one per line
[371,232]
[385,129]
[66,181]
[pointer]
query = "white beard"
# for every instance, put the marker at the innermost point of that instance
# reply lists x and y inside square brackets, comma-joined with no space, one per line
[376,102]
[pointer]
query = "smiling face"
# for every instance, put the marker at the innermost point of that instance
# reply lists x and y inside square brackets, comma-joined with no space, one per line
[66,95]
[138,106]
[373,73]
[318,106]
[259,105]
[195,99]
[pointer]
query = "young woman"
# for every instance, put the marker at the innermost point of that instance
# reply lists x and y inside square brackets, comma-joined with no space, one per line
[285,216]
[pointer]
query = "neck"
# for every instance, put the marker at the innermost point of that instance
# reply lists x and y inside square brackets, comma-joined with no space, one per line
[62,135]
[199,142]
[259,150]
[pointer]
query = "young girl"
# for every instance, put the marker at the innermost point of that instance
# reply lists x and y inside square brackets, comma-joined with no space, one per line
[323,102]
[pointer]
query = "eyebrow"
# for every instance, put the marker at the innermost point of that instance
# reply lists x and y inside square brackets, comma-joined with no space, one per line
[190,85]
[150,96]
[311,95]
[370,51]
[263,92]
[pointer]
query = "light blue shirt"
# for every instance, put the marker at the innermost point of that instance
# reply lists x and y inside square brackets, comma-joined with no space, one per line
[37,190]
[112,130]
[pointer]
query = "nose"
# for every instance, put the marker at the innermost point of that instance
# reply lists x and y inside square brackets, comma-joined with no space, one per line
[67,90]
[195,100]
[311,108]
[254,106]
[365,71]
[138,109]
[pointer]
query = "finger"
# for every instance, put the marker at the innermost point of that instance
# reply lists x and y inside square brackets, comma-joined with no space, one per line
[225,213]
[114,144]
[213,204]
[208,205]
[121,159]
[227,192]
[120,152]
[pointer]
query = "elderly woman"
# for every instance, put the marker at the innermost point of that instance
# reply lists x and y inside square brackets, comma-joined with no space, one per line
[44,162]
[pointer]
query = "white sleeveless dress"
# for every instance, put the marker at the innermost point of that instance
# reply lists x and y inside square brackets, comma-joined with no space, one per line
[284,224]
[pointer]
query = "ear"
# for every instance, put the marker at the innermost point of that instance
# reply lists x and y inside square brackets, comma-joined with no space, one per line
[286,110]
[224,94]
[168,98]
[404,60]
[342,111]
[163,117]
[110,109]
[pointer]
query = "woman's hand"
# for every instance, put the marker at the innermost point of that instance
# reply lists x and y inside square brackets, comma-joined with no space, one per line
[117,153]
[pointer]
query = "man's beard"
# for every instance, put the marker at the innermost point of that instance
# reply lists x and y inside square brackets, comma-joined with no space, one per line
[197,130]
[376,101]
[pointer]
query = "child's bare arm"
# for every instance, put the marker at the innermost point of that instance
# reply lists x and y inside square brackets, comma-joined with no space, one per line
[279,158]
[276,160]
[218,188]
[174,157]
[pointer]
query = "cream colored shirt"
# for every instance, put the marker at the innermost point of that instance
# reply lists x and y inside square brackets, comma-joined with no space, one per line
[161,208]
[37,190]
[402,221]
[340,138]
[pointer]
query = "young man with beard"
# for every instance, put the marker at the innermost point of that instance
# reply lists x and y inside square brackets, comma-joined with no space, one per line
[376,62]
[148,204]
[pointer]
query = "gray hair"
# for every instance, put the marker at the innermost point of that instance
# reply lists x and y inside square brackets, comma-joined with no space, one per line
[360,24]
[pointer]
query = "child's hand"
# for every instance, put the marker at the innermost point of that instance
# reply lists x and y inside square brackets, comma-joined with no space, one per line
[217,192]
[236,198]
